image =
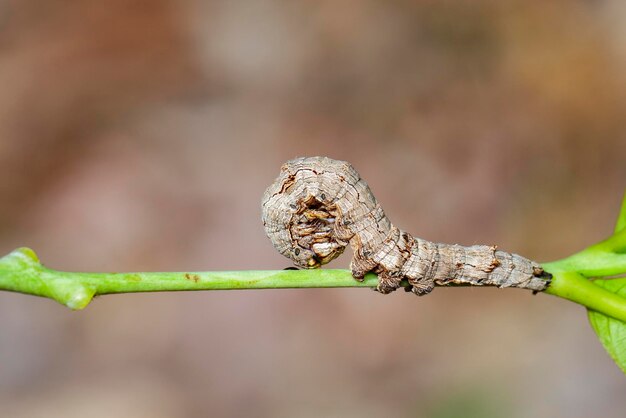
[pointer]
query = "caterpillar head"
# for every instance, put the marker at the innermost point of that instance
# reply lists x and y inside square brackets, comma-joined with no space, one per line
[307,235]
[299,216]
[312,231]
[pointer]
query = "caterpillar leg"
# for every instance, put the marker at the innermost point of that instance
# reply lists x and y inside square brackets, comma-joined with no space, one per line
[421,287]
[360,267]
[388,282]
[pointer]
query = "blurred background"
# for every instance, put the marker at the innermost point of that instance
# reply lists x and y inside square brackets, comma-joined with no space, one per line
[140,135]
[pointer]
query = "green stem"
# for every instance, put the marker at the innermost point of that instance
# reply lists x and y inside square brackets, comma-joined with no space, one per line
[572,286]
[21,271]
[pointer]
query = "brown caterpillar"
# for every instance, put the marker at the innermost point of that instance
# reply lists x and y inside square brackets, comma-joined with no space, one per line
[317,206]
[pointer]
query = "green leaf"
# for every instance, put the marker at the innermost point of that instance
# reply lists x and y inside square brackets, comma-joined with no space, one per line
[610,331]
[621,219]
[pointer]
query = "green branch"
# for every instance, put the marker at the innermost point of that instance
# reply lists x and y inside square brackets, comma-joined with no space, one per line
[576,288]
[21,271]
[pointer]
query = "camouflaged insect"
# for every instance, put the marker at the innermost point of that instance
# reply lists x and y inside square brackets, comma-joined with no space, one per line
[317,206]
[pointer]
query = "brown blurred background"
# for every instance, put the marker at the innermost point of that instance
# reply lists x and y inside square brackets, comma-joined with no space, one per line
[140,135]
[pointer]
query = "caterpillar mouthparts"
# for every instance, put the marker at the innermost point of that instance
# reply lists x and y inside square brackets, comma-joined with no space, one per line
[317,206]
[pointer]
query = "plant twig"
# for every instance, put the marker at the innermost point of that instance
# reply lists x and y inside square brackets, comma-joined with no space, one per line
[576,288]
[21,271]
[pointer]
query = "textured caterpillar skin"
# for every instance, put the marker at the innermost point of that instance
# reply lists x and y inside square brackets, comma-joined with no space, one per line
[317,206]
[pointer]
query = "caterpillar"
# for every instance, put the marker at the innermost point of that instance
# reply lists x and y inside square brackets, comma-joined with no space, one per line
[318,206]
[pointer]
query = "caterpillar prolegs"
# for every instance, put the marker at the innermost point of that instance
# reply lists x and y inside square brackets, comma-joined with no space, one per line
[317,206]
